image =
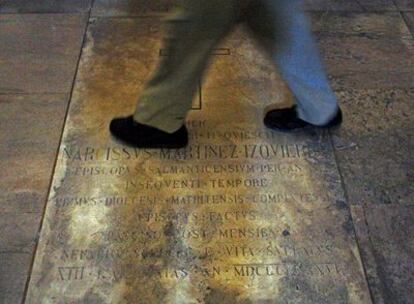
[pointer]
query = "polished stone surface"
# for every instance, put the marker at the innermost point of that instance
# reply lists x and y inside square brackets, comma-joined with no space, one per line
[366,51]
[30,130]
[387,244]
[373,76]
[378,5]
[31,127]
[44,6]
[374,146]
[43,59]
[409,19]
[161,7]
[350,5]
[328,5]
[243,215]
[22,232]
[132,7]
[376,168]
[405,5]
[14,269]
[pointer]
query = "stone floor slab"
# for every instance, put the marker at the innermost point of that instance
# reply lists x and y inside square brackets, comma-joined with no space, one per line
[243,215]
[14,272]
[409,19]
[44,6]
[377,5]
[31,128]
[333,5]
[43,59]
[366,51]
[374,145]
[146,7]
[367,255]
[405,5]
[351,6]
[132,7]
[391,233]
[22,231]
[387,245]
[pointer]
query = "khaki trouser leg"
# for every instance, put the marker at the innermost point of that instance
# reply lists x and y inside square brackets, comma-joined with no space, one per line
[191,35]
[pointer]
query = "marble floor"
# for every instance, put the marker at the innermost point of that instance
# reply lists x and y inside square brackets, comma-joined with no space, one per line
[340,203]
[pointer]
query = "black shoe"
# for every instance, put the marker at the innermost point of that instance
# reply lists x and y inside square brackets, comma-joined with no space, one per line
[143,136]
[288,120]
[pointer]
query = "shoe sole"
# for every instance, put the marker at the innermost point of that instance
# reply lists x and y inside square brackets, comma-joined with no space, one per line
[305,128]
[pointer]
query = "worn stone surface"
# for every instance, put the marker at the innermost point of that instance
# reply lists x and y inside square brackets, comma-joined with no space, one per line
[351,5]
[22,231]
[385,234]
[240,216]
[146,7]
[14,269]
[409,19]
[132,7]
[405,5]
[44,6]
[377,5]
[31,127]
[365,51]
[330,5]
[374,145]
[367,255]
[391,234]
[43,59]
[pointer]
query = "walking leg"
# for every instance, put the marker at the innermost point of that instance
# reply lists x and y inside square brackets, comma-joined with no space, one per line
[284,30]
[192,33]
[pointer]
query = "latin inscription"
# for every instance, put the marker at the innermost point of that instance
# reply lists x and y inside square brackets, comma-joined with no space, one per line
[215,177]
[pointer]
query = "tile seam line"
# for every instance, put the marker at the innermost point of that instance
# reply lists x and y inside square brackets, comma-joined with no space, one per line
[344,189]
[362,11]
[34,94]
[14,252]
[160,15]
[44,13]
[382,288]
[34,251]
[403,16]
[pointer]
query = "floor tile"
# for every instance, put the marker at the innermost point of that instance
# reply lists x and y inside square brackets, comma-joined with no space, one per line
[44,58]
[333,5]
[22,231]
[388,244]
[14,271]
[85,216]
[366,50]
[31,128]
[44,6]
[132,7]
[405,5]
[374,145]
[409,19]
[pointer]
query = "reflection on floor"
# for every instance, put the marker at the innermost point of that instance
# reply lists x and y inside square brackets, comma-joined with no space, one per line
[243,215]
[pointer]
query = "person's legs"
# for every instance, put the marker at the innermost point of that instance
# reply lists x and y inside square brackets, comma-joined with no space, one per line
[191,35]
[283,29]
